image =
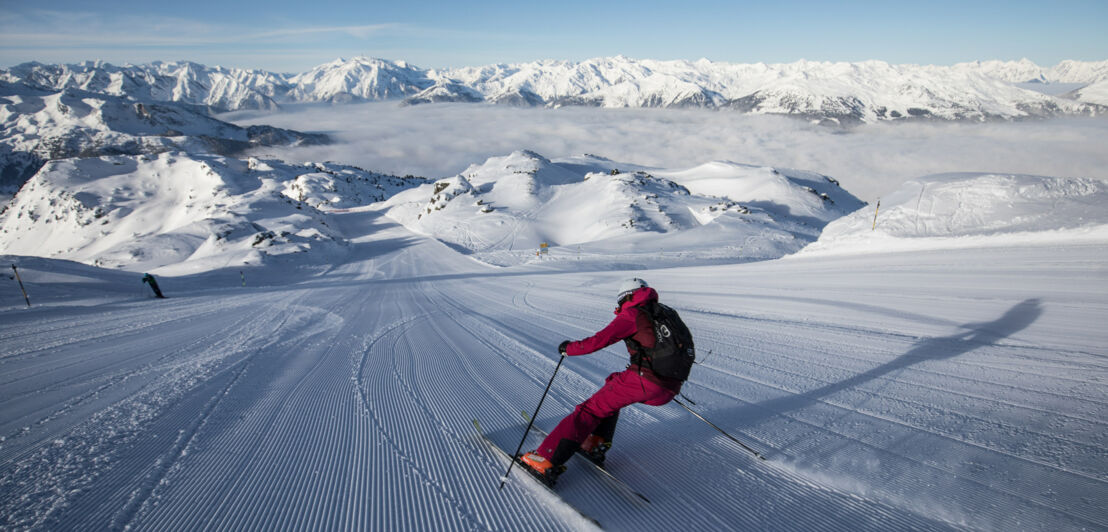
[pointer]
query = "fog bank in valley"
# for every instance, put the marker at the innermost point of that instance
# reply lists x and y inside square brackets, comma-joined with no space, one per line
[443,139]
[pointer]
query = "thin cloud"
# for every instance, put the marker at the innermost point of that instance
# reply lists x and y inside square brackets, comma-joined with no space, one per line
[54,30]
[361,32]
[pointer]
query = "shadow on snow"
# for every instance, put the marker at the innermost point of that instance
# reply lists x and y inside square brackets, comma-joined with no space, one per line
[973,336]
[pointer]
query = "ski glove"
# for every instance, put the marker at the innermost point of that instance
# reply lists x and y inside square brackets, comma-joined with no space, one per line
[562,347]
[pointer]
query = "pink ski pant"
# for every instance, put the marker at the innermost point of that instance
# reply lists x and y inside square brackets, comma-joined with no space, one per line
[620,389]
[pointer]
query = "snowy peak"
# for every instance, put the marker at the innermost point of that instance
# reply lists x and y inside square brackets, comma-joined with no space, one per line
[1022,71]
[608,82]
[359,79]
[1026,71]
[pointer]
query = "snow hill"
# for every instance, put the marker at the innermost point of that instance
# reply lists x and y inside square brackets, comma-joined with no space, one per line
[844,92]
[41,125]
[185,212]
[973,209]
[503,209]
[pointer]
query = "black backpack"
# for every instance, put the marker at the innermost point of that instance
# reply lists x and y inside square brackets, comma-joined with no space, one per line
[673,353]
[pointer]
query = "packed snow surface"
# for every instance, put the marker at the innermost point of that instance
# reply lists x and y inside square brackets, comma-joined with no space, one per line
[889,387]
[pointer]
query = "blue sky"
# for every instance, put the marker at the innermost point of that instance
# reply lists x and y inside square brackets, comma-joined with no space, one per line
[293,36]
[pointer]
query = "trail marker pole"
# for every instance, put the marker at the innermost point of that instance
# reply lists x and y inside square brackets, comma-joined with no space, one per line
[24,290]
[918,201]
[875,215]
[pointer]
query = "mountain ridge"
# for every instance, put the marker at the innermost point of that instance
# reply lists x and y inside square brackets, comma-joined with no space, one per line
[849,92]
[39,125]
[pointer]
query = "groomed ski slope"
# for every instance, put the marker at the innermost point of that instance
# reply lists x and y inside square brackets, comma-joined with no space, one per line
[953,389]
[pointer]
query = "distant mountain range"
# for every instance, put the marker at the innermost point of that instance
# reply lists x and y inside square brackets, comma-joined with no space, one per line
[867,91]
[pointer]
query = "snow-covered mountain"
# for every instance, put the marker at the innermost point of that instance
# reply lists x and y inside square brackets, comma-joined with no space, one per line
[851,92]
[38,125]
[1096,93]
[503,209]
[358,79]
[1080,81]
[445,92]
[189,211]
[1024,71]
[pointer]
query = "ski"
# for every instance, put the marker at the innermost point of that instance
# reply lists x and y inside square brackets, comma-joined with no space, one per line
[538,480]
[625,487]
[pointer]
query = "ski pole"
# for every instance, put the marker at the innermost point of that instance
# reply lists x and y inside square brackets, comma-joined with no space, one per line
[741,444]
[531,424]
[24,290]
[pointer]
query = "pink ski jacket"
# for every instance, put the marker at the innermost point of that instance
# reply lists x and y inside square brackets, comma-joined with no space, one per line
[630,323]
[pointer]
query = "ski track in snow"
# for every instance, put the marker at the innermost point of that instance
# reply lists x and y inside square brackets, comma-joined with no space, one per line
[346,402]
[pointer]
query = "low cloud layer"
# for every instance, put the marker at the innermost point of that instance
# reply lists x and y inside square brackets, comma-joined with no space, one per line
[872,160]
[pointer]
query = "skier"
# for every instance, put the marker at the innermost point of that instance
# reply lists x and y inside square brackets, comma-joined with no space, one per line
[149,279]
[591,425]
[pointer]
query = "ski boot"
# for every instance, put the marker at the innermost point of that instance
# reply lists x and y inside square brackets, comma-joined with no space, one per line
[541,468]
[594,448]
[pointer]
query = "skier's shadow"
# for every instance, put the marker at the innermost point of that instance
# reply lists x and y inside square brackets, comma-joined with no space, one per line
[975,335]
